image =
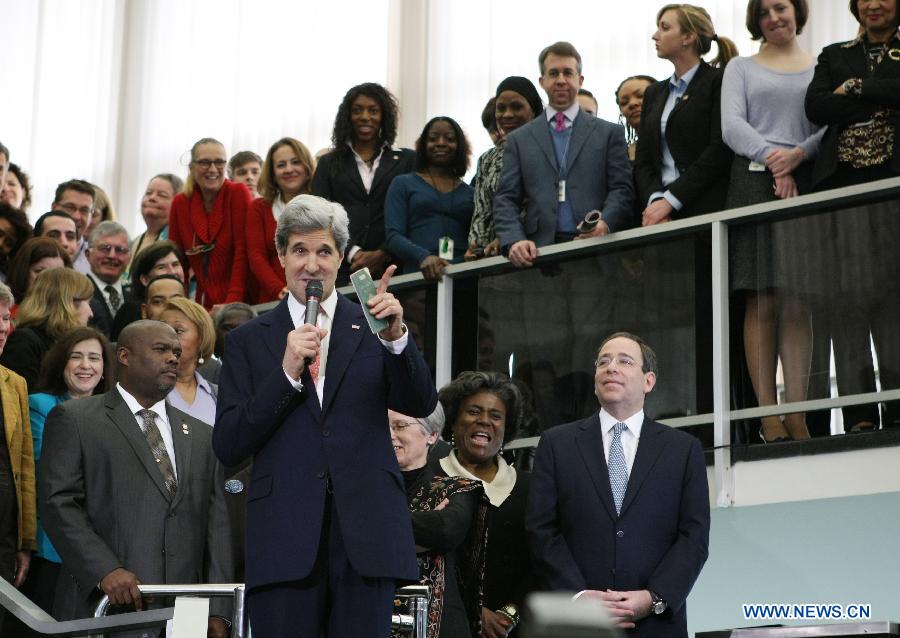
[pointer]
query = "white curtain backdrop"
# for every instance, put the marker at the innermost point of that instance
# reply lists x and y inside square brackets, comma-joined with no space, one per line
[115,91]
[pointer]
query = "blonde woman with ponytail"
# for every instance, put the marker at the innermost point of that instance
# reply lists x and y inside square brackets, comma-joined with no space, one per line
[682,164]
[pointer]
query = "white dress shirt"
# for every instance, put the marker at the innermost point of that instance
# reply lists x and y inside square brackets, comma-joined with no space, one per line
[325,319]
[162,421]
[630,436]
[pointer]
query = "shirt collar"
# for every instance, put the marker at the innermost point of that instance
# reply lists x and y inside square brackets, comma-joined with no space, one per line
[684,81]
[102,284]
[202,383]
[298,310]
[159,407]
[570,112]
[360,159]
[634,422]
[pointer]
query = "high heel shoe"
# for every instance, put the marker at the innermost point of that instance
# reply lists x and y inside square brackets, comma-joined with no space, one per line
[775,425]
[777,439]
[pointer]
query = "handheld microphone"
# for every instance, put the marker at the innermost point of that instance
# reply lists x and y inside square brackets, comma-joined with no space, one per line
[313,297]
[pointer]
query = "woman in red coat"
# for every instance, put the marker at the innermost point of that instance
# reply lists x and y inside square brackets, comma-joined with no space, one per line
[287,172]
[208,219]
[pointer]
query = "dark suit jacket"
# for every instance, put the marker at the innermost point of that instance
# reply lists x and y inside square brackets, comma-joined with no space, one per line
[104,505]
[297,444]
[337,179]
[880,90]
[694,136]
[659,541]
[598,177]
[104,318]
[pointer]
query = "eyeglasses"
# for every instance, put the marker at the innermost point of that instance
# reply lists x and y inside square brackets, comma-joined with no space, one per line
[621,361]
[206,163]
[106,249]
[400,426]
[71,208]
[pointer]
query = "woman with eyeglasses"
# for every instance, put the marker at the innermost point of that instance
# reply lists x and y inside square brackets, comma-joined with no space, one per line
[208,220]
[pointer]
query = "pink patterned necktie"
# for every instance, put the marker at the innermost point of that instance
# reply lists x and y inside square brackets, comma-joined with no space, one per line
[560,122]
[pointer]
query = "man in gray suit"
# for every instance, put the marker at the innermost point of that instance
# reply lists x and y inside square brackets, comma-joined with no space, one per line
[130,490]
[560,166]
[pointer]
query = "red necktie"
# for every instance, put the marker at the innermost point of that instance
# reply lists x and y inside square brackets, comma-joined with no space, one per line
[560,125]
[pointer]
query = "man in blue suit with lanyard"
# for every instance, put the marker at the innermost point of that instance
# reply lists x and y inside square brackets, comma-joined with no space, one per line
[328,530]
[560,166]
[619,505]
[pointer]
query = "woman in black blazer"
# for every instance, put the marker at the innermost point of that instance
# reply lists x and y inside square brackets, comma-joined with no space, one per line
[855,91]
[364,130]
[697,182]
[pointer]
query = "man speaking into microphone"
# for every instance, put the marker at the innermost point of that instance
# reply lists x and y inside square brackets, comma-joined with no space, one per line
[328,531]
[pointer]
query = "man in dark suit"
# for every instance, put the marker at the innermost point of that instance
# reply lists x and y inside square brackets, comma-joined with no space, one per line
[328,531]
[560,166]
[108,253]
[619,504]
[130,491]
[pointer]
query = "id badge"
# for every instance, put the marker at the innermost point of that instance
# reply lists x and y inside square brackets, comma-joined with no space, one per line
[756,167]
[445,248]
[561,193]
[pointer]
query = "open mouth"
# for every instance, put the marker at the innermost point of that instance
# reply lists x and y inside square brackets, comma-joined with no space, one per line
[480,438]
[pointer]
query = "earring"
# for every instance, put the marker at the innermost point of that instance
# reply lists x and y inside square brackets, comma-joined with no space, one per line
[200,361]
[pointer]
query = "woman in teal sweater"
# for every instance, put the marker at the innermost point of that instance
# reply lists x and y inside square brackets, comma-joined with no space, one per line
[74,368]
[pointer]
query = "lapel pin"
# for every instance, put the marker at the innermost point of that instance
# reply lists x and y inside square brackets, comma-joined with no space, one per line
[184,428]
[354,326]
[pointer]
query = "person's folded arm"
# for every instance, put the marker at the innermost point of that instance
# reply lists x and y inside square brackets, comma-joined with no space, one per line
[444,530]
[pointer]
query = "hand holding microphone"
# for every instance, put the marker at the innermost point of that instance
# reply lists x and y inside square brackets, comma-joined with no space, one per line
[304,343]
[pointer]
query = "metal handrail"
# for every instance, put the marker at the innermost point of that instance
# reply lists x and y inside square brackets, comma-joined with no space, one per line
[39,621]
[235,590]
[416,596]
[417,620]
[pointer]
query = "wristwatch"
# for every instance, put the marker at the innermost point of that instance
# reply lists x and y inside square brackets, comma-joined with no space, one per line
[657,605]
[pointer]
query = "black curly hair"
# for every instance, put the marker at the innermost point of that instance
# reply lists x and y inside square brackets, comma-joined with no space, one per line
[470,383]
[460,163]
[390,113]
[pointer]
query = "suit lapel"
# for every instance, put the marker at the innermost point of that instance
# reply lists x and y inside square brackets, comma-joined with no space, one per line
[540,131]
[182,439]
[649,448]
[581,131]
[386,166]
[352,173]
[278,324]
[590,446]
[344,342]
[117,411]
[689,91]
